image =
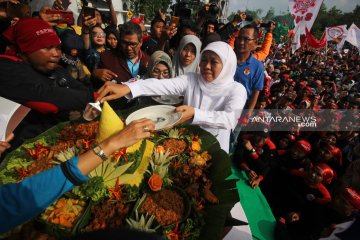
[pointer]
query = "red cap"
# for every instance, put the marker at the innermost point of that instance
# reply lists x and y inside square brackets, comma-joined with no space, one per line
[286,76]
[327,172]
[333,106]
[352,197]
[318,82]
[303,84]
[308,89]
[332,149]
[303,146]
[291,137]
[31,34]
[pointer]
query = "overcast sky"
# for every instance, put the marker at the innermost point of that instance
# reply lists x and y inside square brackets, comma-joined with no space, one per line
[282,5]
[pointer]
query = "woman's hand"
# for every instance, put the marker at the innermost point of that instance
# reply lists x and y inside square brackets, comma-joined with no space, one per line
[114,90]
[58,5]
[251,174]
[12,1]
[89,22]
[187,112]
[51,19]
[255,182]
[4,145]
[130,135]
[168,32]
[247,144]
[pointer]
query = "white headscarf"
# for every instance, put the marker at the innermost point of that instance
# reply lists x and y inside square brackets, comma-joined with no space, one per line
[225,79]
[177,68]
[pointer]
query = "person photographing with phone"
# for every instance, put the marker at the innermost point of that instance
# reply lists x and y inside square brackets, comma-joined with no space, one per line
[160,34]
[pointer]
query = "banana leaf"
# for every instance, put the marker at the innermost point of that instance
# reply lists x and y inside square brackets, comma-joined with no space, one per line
[226,191]
[220,169]
[19,157]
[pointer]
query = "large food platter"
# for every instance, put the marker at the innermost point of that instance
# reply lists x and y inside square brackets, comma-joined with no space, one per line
[203,216]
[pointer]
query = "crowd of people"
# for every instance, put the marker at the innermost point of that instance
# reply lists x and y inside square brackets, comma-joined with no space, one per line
[226,74]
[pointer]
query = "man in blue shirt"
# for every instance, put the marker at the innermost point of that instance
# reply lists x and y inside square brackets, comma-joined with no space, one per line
[249,71]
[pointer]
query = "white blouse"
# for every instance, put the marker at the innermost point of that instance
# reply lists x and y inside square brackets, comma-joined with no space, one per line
[216,114]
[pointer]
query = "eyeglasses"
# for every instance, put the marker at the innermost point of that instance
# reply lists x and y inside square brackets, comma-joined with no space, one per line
[130,44]
[245,39]
[164,73]
[98,34]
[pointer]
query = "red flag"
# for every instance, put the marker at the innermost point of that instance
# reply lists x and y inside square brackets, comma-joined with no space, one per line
[313,42]
[304,13]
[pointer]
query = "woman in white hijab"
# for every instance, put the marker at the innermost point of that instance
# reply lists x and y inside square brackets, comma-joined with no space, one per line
[187,57]
[212,98]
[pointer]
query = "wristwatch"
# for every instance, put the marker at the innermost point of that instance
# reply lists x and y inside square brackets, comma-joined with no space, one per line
[100,152]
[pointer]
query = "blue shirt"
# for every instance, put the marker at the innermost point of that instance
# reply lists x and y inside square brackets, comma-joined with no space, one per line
[134,67]
[250,74]
[20,202]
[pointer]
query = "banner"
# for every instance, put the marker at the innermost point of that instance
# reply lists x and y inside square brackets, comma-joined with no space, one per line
[337,34]
[313,42]
[353,36]
[304,13]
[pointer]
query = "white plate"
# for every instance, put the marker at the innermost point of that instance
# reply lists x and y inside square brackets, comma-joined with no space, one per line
[164,116]
[168,99]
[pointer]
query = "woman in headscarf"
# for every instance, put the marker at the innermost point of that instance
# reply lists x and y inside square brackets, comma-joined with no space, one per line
[213,100]
[112,37]
[187,57]
[159,65]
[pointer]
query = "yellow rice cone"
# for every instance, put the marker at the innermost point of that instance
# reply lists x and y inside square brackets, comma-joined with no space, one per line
[110,123]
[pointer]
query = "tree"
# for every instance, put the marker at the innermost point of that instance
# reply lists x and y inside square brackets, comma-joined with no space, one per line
[149,7]
[254,13]
[285,19]
[270,14]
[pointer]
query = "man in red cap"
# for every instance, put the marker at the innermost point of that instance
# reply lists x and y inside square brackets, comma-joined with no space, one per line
[35,79]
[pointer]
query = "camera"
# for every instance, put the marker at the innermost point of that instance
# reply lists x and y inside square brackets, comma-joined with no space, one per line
[265,25]
[181,9]
[213,8]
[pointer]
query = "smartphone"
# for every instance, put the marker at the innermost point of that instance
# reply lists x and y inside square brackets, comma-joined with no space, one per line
[88,11]
[174,20]
[66,16]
